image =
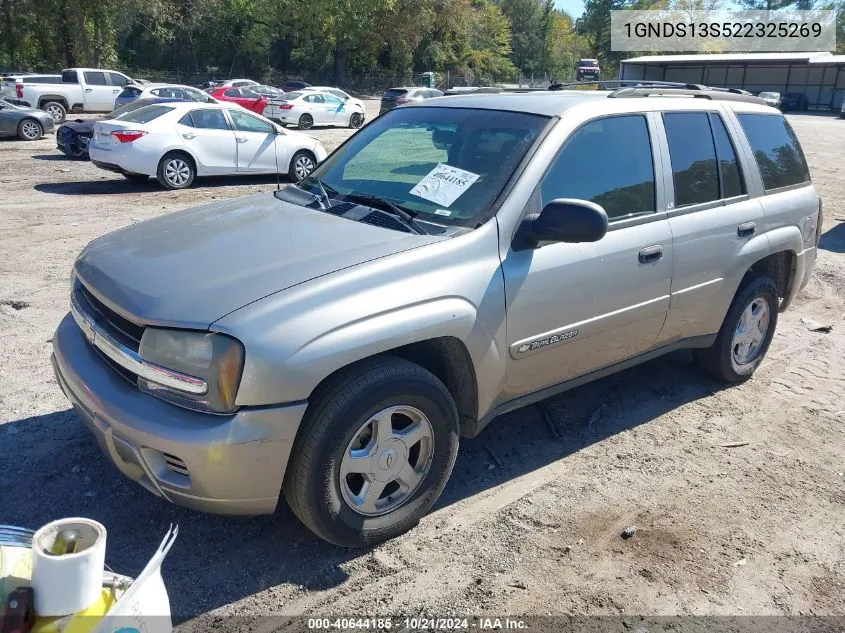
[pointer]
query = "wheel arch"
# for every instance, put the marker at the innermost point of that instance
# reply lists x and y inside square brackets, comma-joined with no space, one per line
[44,99]
[186,154]
[782,268]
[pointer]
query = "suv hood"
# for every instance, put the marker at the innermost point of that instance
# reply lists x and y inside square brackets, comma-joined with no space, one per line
[190,268]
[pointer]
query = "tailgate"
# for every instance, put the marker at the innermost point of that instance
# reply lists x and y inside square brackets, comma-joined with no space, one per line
[7,88]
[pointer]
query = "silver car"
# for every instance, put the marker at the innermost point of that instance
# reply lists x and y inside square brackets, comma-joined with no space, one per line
[28,124]
[452,261]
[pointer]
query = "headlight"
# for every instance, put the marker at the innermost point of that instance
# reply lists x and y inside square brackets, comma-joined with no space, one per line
[215,358]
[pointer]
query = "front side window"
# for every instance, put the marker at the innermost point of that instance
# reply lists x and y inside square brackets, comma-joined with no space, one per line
[246,93]
[776,150]
[95,78]
[607,161]
[129,92]
[197,95]
[248,123]
[446,164]
[117,79]
[693,157]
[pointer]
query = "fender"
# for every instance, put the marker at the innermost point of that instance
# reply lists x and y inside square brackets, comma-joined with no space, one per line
[42,99]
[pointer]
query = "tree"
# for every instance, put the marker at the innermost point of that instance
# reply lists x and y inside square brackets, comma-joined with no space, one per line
[531,28]
[489,54]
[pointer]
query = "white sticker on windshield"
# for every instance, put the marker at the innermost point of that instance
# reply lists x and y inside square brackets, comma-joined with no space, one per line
[444,184]
[442,212]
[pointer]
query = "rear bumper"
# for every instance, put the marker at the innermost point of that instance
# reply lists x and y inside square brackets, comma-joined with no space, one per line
[221,464]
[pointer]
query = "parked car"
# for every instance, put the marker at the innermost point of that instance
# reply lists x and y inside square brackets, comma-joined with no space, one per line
[175,142]
[794,101]
[587,69]
[244,97]
[842,112]
[168,91]
[340,94]
[207,85]
[73,137]
[237,83]
[80,90]
[293,85]
[399,96]
[28,124]
[771,98]
[11,86]
[310,108]
[454,260]
[271,92]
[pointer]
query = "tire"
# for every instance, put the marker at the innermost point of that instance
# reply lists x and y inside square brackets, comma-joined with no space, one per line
[136,177]
[30,130]
[725,360]
[356,120]
[55,110]
[337,414]
[176,171]
[306,122]
[299,165]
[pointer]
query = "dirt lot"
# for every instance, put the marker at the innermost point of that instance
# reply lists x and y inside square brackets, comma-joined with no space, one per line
[528,524]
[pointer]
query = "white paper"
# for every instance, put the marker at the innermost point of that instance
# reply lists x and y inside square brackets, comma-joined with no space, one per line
[444,184]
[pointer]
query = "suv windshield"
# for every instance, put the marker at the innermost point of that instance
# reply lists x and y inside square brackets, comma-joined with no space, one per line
[447,165]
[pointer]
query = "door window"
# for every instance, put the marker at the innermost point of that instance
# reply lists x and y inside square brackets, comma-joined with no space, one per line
[233,92]
[249,123]
[117,79]
[314,98]
[607,161]
[197,95]
[731,182]
[205,119]
[246,93]
[95,78]
[693,157]
[776,150]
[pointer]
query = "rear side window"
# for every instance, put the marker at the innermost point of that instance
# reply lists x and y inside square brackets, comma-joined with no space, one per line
[232,92]
[607,161]
[205,119]
[693,156]
[776,150]
[69,77]
[146,114]
[95,78]
[731,182]
[395,92]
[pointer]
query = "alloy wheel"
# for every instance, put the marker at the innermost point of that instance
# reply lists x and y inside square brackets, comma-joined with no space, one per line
[750,331]
[55,112]
[356,120]
[177,172]
[31,130]
[386,460]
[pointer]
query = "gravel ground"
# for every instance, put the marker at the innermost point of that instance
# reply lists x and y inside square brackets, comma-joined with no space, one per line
[755,528]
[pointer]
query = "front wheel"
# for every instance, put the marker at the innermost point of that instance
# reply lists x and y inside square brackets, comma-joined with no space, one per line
[356,120]
[30,130]
[176,171]
[375,450]
[301,165]
[745,335]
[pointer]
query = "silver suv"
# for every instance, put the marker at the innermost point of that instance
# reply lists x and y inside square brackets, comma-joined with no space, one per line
[452,261]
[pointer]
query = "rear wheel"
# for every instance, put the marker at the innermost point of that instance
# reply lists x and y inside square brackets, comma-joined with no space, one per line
[356,120]
[30,130]
[375,450]
[306,122]
[176,171]
[55,110]
[746,333]
[302,164]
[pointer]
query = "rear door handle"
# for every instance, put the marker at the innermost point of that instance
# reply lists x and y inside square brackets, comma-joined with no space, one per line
[651,254]
[189,136]
[746,229]
[241,139]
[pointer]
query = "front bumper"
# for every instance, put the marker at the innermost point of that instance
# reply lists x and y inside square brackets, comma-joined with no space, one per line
[231,464]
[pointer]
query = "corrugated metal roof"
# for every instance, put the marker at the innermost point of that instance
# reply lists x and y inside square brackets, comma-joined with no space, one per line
[731,57]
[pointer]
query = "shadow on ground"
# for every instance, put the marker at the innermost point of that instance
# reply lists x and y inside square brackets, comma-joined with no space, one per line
[53,468]
[125,186]
[834,239]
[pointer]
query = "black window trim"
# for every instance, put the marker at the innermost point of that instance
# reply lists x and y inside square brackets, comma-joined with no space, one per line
[613,224]
[711,204]
[742,179]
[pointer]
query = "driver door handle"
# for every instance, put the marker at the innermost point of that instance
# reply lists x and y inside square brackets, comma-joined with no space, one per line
[189,136]
[241,139]
[651,254]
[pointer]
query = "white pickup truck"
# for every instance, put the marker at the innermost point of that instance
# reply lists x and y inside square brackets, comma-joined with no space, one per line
[80,90]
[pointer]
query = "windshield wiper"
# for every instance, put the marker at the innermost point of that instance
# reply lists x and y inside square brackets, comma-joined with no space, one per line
[324,189]
[403,213]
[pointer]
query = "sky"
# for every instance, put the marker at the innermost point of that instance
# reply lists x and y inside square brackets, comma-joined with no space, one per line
[573,7]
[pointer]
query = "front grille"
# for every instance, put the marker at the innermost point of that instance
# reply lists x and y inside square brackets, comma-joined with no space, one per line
[175,465]
[120,328]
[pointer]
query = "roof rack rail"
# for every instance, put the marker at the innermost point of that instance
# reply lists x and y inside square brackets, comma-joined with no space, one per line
[614,84]
[693,90]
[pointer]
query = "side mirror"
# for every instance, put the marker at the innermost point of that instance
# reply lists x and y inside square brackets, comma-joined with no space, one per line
[279,130]
[562,220]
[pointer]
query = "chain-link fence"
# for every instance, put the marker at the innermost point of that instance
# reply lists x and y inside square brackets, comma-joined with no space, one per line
[370,83]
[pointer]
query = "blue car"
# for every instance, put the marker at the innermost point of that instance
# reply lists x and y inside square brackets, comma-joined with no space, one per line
[72,137]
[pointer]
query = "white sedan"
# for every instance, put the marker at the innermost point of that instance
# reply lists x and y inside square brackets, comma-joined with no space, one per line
[310,107]
[175,142]
[340,94]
